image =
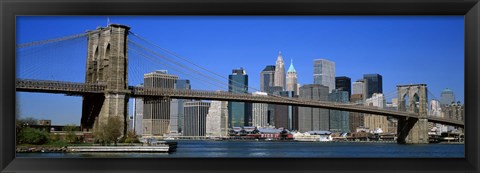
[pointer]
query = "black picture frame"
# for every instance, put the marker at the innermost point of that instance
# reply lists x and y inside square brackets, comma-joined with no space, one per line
[9,9]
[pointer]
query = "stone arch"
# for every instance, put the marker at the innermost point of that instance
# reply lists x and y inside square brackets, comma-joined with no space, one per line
[412,98]
[415,103]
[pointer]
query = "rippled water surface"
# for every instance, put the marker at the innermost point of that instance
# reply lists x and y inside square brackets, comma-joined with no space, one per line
[287,149]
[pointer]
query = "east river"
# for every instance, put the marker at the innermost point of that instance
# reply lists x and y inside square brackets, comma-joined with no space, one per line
[195,149]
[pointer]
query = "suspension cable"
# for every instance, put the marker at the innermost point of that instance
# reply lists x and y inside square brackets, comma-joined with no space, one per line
[29,44]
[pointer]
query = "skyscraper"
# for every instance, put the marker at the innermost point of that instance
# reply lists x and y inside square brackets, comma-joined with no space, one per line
[156,112]
[286,116]
[217,119]
[176,107]
[195,118]
[447,97]
[280,71]
[360,87]
[339,120]
[292,79]
[259,112]
[137,115]
[313,118]
[374,84]
[238,113]
[344,83]
[267,79]
[272,107]
[324,73]
[356,119]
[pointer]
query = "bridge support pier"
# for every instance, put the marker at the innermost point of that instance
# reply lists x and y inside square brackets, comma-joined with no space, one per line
[412,131]
[92,105]
[114,105]
[412,98]
[107,63]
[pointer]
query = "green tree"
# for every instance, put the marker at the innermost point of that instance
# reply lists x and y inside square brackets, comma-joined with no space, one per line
[22,123]
[131,137]
[108,132]
[70,136]
[32,136]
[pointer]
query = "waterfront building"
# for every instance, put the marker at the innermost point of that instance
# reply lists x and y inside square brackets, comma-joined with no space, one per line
[45,122]
[176,107]
[339,119]
[344,83]
[259,112]
[292,83]
[375,122]
[310,119]
[447,97]
[156,111]
[324,73]
[280,71]
[195,118]
[374,84]
[356,119]
[217,119]
[239,114]
[138,115]
[267,79]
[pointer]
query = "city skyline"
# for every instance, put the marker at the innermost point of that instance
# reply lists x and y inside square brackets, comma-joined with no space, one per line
[261,58]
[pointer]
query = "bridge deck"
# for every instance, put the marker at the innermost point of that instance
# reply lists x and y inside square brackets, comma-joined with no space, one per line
[71,88]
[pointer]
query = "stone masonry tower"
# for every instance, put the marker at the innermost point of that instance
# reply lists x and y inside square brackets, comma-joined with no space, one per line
[107,64]
[413,98]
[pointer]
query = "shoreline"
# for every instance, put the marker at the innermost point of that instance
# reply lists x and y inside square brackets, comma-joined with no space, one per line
[65,149]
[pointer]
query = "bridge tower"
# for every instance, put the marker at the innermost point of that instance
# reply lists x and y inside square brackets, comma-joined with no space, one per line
[107,63]
[412,98]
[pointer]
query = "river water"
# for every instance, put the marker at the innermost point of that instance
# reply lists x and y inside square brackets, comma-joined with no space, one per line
[195,149]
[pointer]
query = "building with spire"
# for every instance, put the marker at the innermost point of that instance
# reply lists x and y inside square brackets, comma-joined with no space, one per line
[280,71]
[292,79]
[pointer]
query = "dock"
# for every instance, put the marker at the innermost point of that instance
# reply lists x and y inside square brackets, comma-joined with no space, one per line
[164,147]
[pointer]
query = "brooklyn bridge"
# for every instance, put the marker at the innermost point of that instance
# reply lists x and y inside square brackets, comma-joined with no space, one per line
[106,89]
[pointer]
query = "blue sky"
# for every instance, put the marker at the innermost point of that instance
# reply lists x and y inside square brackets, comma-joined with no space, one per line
[403,49]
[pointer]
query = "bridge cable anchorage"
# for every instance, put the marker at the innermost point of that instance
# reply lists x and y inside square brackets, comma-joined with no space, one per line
[23,45]
[184,59]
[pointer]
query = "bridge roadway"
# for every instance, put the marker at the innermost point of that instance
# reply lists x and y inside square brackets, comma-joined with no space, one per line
[72,88]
